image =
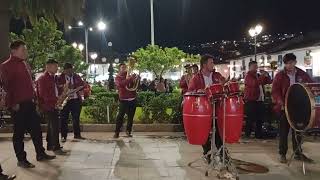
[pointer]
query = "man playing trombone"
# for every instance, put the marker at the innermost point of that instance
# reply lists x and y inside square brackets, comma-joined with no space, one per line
[127,98]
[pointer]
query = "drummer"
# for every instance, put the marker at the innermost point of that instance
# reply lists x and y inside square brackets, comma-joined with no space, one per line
[288,76]
[205,78]
[185,79]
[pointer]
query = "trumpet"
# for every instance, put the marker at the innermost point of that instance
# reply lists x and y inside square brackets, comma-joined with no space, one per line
[136,82]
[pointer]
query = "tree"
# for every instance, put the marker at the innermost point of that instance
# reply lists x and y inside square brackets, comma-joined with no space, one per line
[193,59]
[158,60]
[62,10]
[45,41]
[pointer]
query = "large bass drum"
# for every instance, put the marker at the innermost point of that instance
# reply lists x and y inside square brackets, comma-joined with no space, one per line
[302,106]
[197,117]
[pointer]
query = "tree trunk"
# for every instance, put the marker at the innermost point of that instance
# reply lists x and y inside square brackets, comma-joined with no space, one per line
[4,29]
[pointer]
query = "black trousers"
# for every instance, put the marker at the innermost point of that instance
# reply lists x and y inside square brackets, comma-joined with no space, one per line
[255,113]
[53,130]
[73,106]
[218,141]
[26,119]
[129,108]
[1,169]
[284,131]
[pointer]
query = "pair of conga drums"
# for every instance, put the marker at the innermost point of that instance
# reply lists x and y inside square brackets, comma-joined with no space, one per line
[198,113]
[302,106]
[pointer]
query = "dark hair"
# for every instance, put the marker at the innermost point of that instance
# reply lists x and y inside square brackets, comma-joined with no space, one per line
[121,64]
[17,44]
[204,59]
[52,61]
[289,57]
[252,63]
[67,66]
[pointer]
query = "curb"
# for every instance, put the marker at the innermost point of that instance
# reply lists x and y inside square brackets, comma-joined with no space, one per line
[111,127]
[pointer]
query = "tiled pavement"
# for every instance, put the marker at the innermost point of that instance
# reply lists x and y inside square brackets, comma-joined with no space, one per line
[148,156]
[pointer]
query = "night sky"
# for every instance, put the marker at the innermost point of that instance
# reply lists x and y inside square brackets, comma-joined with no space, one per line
[184,22]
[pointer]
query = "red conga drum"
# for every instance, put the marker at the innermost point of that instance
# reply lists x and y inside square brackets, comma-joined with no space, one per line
[197,117]
[302,106]
[232,87]
[215,90]
[234,112]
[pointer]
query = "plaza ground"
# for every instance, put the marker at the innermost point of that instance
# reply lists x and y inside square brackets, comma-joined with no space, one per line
[149,156]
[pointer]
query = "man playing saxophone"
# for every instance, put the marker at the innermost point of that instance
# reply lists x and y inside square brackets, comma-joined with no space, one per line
[127,89]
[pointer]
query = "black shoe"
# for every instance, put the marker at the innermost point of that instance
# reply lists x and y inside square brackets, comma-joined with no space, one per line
[6,177]
[116,135]
[59,152]
[63,139]
[302,157]
[129,134]
[283,159]
[45,157]
[25,164]
[79,137]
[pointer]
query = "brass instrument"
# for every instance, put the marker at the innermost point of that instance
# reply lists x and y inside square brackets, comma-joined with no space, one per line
[63,98]
[136,82]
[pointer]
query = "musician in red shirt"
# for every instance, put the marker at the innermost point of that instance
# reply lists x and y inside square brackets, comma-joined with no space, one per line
[282,81]
[254,96]
[127,100]
[17,82]
[47,98]
[73,104]
[185,79]
[203,79]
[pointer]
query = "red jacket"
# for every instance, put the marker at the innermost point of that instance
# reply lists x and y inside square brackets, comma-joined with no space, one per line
[197,82]
[47,97]
[252,83]
[121,82]
[17,81]
[281,84]
[76,80]
[183,84]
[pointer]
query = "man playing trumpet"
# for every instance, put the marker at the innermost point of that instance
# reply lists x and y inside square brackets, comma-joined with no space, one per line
[127,98]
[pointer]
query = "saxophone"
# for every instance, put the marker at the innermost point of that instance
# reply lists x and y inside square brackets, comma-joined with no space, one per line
[64,97]
[136,82]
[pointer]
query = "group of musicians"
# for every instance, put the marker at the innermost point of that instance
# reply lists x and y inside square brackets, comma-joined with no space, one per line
[254,95]
[23,95]
[21,100]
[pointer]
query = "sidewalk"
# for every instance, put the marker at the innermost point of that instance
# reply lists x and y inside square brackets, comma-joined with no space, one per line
[149,156]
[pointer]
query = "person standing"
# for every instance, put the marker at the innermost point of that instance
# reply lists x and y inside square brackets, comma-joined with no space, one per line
[127,100]
[195,69]
[20,98]
[47,98]
[203,79]
[185,79]
[283,79]
[254,97]
[74,101]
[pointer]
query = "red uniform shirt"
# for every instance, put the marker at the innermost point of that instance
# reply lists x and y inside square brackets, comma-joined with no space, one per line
[252,83]
[281,84]
[47,92]
[77,82]
[197,82]
[121,82]
[17,81]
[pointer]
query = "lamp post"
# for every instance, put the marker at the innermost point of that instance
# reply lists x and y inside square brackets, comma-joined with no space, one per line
[100,25]
[94,57]
[254,32]
[152,22]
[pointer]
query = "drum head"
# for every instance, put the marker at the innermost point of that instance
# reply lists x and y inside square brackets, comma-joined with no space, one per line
[298,107]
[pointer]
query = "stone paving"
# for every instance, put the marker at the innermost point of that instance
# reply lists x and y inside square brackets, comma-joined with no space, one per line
[149,156]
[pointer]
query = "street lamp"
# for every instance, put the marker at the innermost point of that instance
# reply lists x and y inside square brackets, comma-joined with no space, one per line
[254,32]
[80,47]
[74,45]
[94,56]
[101,26]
